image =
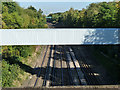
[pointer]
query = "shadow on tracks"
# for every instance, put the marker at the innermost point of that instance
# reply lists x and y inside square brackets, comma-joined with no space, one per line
[56,77]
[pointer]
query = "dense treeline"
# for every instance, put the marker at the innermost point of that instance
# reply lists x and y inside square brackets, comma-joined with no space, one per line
[15,17]
[12,57]
[104,14]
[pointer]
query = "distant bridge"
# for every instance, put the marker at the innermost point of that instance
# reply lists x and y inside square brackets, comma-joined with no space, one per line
[48,17]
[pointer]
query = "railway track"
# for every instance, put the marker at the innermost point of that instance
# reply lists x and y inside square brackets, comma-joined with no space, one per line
[31,82]
[39,72]
[63,69]
[46,81]
[73,65]
[90,76]
[62,81]
[53,69]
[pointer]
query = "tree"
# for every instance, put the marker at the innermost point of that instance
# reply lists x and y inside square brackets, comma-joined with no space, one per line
[13,16]
[32,8]
[11,6]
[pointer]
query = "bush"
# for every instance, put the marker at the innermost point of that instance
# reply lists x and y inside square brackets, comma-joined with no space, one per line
[12,62]
[16,17]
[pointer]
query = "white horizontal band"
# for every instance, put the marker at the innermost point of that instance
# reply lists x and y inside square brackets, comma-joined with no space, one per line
[58,36]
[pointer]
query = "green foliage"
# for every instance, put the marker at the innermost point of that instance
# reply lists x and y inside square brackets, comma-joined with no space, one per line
[32,8]
[109,57]
[11,62]
[9,73]
[16,17]
[0,21]
[25,50]
[96,15]
[107,15]
[11,6]
[118,13]
[12,20]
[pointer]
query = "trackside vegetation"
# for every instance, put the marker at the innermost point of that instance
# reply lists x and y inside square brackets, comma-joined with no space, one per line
[96,15]
[109,57]
[14,58]
[15,17]
[12,63]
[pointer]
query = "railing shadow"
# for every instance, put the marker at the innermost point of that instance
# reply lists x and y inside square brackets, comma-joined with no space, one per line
[102,36]
[57,71]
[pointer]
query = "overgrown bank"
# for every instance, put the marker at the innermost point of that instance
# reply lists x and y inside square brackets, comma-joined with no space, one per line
[17,64]
[16,17]
[109,58]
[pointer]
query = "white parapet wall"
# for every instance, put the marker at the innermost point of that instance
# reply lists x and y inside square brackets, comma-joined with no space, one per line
[81,36]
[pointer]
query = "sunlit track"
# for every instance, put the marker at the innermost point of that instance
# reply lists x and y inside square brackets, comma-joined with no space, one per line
[57,75]
[58,69]
[68,67]
[96,78]
[65,66]
[89,75]
[32,79]
[41,66]
[74,71]
[78,68]
[66,74]
[48,75]
[62,81]
[63,69]
[91,79]
[76,75]
[53,69]
[71,68]
[46,81]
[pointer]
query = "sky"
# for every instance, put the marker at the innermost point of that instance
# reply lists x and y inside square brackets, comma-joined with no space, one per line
[53,7]
[62,0]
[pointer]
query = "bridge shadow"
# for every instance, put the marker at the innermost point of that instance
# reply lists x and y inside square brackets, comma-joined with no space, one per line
[55,77]
[85,53]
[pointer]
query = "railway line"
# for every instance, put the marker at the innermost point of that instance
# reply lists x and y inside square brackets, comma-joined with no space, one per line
[89,75]
[60,67]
